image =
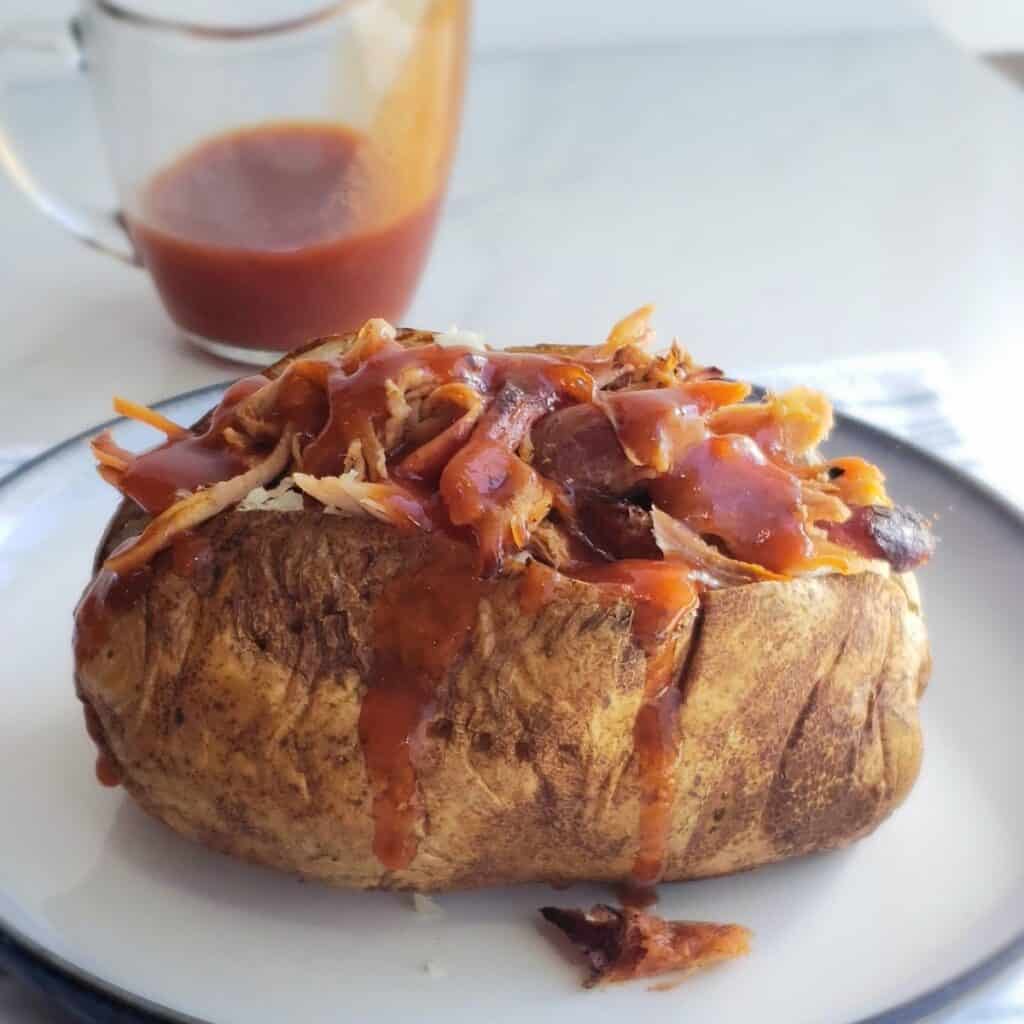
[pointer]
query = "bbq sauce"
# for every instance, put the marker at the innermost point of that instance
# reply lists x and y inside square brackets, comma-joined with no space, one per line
[422,623]
[662,594]
[108,773]
[157,478]
[358,396]
[726,487]
[268,236]
[107,594]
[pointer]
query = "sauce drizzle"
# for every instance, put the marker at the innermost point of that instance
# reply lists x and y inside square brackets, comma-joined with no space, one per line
[107,593]
[358,398]
[157,478]
[422,623]
[661,594]
[727,488]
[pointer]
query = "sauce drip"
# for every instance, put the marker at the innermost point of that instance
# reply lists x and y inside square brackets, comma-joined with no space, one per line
[272,235]
[639,897]
[422,623]
[726,487]
[106,594]
[156,479]
[108,772]
[662,593]
[487,487]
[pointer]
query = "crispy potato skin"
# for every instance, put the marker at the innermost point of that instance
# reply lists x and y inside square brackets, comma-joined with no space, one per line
[231,699]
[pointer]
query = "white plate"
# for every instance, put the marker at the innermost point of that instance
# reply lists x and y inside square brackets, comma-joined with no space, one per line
[914,914]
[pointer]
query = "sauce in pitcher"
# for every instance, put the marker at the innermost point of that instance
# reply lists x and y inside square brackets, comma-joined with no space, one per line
[269,236]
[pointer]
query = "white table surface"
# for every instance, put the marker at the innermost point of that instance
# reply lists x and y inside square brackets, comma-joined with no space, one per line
[781,201]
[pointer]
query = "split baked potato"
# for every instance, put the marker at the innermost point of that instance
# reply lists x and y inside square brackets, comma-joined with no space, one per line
[407,613]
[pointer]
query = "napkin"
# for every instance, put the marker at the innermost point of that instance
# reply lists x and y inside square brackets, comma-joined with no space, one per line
[904,393]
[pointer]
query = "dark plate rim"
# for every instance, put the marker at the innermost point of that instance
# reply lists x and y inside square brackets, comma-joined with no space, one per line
[92,999]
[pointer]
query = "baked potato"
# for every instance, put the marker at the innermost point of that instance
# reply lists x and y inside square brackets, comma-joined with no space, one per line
[403,612]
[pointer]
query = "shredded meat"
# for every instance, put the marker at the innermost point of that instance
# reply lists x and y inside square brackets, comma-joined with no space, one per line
[494,446]
[632,330]
[347,494]
[442,437]
[677,541]
[197,508]
[789,424]
[621,945]
[488,488]
[142,413]
[900,536]
[577,449]
[616,529]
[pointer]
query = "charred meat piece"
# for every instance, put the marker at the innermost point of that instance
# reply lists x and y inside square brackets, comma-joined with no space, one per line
[900,536]
[621,945]
[616,529]
[578,449]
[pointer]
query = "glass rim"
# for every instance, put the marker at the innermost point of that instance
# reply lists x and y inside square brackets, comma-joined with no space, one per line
[226,32]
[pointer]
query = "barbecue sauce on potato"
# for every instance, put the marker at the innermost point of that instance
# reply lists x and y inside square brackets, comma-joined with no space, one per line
[662,593]
[420,626]
[157,478]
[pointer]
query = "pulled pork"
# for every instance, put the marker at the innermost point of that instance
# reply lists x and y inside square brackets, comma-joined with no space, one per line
[602,454]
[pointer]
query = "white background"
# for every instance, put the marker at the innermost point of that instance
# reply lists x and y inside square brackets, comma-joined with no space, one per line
[531,24]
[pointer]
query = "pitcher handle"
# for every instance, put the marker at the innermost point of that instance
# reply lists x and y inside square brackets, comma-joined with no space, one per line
[56,45]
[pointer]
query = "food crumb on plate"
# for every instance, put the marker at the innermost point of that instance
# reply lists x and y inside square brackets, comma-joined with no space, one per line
[622,945]
[426,905]
[433,969]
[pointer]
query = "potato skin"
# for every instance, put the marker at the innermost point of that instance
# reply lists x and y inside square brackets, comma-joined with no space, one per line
[231,699]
